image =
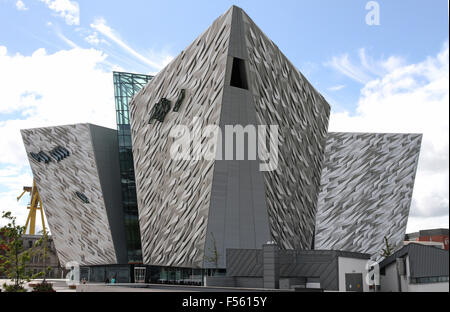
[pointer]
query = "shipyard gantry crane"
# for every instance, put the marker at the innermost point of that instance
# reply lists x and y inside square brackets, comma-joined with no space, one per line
[34,206]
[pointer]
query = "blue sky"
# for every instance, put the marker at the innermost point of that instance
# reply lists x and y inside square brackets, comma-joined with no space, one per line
[310,33]
[354,65]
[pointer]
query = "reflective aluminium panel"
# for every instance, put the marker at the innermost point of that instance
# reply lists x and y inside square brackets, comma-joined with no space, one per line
[366,190]
[80,192]
[231,75]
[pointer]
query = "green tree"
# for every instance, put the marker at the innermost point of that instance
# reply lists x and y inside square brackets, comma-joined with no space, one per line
[214,255]
[388,249]
[14,260]
[42,245]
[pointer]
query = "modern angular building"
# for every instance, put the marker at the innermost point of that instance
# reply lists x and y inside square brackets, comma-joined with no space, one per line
[191,209]
[76,169]
[285,180]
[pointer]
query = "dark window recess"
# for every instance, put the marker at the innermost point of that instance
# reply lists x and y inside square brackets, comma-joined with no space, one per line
[82,197]
[35,156]
[179,101]
[44,157]
[238,74]
[59,153]
[55,155]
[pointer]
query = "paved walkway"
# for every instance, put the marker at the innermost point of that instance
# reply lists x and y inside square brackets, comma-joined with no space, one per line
[161,288]
[58,284]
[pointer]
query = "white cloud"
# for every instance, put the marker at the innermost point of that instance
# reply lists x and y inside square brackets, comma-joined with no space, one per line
[69,42]
[66,87]
[93,38]
[412,98]
[19,209]
[344,66]
[69,10]
[367,69]
[12,179]
[21,6]
[336,88]
[155,60]
[416,224]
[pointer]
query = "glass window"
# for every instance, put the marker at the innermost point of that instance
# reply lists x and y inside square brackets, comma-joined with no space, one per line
[126,85]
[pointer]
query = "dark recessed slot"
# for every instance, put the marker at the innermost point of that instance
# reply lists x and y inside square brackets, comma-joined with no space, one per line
[238,74]
[82,197]
[44,157]
[35,156]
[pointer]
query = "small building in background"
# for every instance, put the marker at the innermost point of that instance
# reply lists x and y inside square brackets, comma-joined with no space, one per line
[37,263]
[433,235]
[415,268]
[302,270]
[432,244]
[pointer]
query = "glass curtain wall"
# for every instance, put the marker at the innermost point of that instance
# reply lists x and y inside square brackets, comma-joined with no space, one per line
[126,85]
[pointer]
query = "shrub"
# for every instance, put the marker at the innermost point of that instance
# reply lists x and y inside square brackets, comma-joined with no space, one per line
[14,288]
[43,287]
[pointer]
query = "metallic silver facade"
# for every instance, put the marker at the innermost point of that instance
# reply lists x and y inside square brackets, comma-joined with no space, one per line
[283,97]
[185,207]
[89,233]
[173,196]
[366,190]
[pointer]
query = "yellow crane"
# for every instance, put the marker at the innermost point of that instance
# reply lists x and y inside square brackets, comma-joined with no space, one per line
[35,205]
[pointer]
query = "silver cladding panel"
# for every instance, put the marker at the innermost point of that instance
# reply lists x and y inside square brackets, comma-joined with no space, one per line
[366,190]
[185,205]
[284,97]
[81,232]
[174,195]
[238,216]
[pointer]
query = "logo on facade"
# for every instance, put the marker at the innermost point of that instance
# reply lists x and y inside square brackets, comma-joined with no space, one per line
[160,110]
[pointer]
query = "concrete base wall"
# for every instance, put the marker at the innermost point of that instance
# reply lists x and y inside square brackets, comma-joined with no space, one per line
[240,282]
[289,283]
[432,287]
[220,281]
[351,265]
[106,288]
[389,281]
[249,282]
